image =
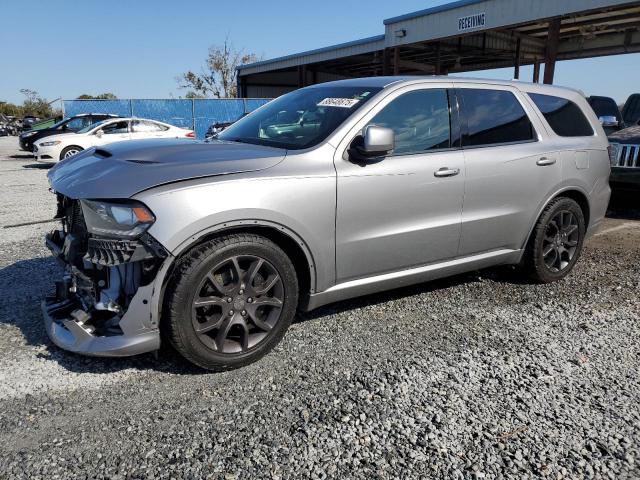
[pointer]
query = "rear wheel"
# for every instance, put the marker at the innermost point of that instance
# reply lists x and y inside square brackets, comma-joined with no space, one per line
[230,301]
[556,242]
[70,151]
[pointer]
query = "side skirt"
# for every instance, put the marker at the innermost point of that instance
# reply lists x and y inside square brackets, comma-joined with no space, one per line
[403,278]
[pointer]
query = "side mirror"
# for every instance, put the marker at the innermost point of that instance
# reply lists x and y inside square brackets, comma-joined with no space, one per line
[375,142]
[99,133]
[378,141]
[608,121]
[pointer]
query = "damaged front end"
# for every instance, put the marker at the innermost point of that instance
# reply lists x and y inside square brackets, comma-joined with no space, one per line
[103,304]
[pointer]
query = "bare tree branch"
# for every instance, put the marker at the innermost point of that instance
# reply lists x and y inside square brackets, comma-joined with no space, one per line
[218,77]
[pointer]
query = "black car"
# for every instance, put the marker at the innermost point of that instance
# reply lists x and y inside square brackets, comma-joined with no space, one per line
[625,151]
[631,110]
[625,161]
[28,121]
[67,125]
[608,113]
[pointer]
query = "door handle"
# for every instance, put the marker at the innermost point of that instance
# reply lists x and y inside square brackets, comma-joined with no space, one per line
[544,161]
[446,172]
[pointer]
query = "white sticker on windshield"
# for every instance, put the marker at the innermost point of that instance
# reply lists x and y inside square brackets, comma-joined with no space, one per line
[338,102]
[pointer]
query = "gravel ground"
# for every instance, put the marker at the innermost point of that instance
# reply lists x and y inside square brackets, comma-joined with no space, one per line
[477,376]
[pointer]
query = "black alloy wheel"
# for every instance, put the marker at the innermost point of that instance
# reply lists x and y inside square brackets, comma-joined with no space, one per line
[230,301]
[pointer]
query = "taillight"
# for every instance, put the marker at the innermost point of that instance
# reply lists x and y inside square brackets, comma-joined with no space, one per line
[190,135]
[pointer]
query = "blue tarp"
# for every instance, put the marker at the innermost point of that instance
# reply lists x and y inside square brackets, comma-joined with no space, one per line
[197,114]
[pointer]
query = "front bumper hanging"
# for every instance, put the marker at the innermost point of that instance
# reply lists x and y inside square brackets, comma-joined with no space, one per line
[70,317]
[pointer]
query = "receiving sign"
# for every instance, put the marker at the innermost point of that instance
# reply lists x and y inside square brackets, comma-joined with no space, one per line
[470,22]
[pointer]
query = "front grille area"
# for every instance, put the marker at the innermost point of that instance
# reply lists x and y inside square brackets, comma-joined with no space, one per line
[110,252]
[627,156]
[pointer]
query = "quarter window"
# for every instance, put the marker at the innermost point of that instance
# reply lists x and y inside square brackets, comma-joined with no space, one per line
[493,117]
[139,126]
[419,119]
[564,117]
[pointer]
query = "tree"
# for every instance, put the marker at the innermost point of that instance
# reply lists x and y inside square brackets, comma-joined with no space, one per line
[35,105]
[218,77]
[102,96]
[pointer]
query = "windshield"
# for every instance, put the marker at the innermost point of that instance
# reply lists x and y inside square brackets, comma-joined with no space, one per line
[91,127]
[300,119]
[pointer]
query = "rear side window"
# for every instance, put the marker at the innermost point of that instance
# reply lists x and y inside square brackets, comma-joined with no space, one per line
[564,117]
[140,126]
[493,117]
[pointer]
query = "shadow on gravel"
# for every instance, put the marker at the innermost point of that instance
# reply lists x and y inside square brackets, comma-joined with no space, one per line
[23,285]
[624,206]
[502,274]
[39,166]
[21,155]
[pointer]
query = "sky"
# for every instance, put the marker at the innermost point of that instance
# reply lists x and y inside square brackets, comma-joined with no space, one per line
[137,48]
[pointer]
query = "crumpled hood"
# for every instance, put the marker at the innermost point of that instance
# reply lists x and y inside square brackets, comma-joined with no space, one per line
[120,170]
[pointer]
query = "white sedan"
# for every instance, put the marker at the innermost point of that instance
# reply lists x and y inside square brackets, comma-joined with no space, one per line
[58,147]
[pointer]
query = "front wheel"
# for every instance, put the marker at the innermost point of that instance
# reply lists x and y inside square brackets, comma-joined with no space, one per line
[70,151]
[230,301]
[556,241]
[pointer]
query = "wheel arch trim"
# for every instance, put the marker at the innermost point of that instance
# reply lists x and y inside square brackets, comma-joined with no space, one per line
[161,280]
[557,193]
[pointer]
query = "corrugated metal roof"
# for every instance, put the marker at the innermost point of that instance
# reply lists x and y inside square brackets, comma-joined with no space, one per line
[369,41]
[429,11]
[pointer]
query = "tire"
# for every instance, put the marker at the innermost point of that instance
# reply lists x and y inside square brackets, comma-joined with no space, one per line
[69,151]
[237,324]
[556,241]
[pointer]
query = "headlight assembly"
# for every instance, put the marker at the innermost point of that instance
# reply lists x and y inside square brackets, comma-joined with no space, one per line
[29,134]
[119,219]
[50,144]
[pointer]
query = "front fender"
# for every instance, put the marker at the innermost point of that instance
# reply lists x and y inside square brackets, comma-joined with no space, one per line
[195,209]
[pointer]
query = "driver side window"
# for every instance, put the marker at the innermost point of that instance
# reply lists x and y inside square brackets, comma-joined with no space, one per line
[116,127]
[79,123]
[419,119]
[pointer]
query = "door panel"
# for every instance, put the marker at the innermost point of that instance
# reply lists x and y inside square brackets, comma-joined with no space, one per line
[503,191]
[397,214]
[510,171]
[403,210]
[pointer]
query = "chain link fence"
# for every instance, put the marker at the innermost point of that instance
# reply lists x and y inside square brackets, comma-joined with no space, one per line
[197,114]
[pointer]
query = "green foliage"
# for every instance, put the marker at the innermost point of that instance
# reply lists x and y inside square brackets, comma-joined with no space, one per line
[33,105]
[218,77]
[102,96]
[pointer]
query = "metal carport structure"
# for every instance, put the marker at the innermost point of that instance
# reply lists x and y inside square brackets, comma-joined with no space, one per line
[461,36]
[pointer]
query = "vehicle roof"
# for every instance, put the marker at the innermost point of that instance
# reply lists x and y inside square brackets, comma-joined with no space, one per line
[388,81]
[96,113]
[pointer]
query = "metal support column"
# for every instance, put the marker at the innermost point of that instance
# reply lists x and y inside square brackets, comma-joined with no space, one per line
[396,60]
[536,71]
[551,52]
[386,60]
[516,68]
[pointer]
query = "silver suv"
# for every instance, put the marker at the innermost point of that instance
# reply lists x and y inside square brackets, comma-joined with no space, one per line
[329,192]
